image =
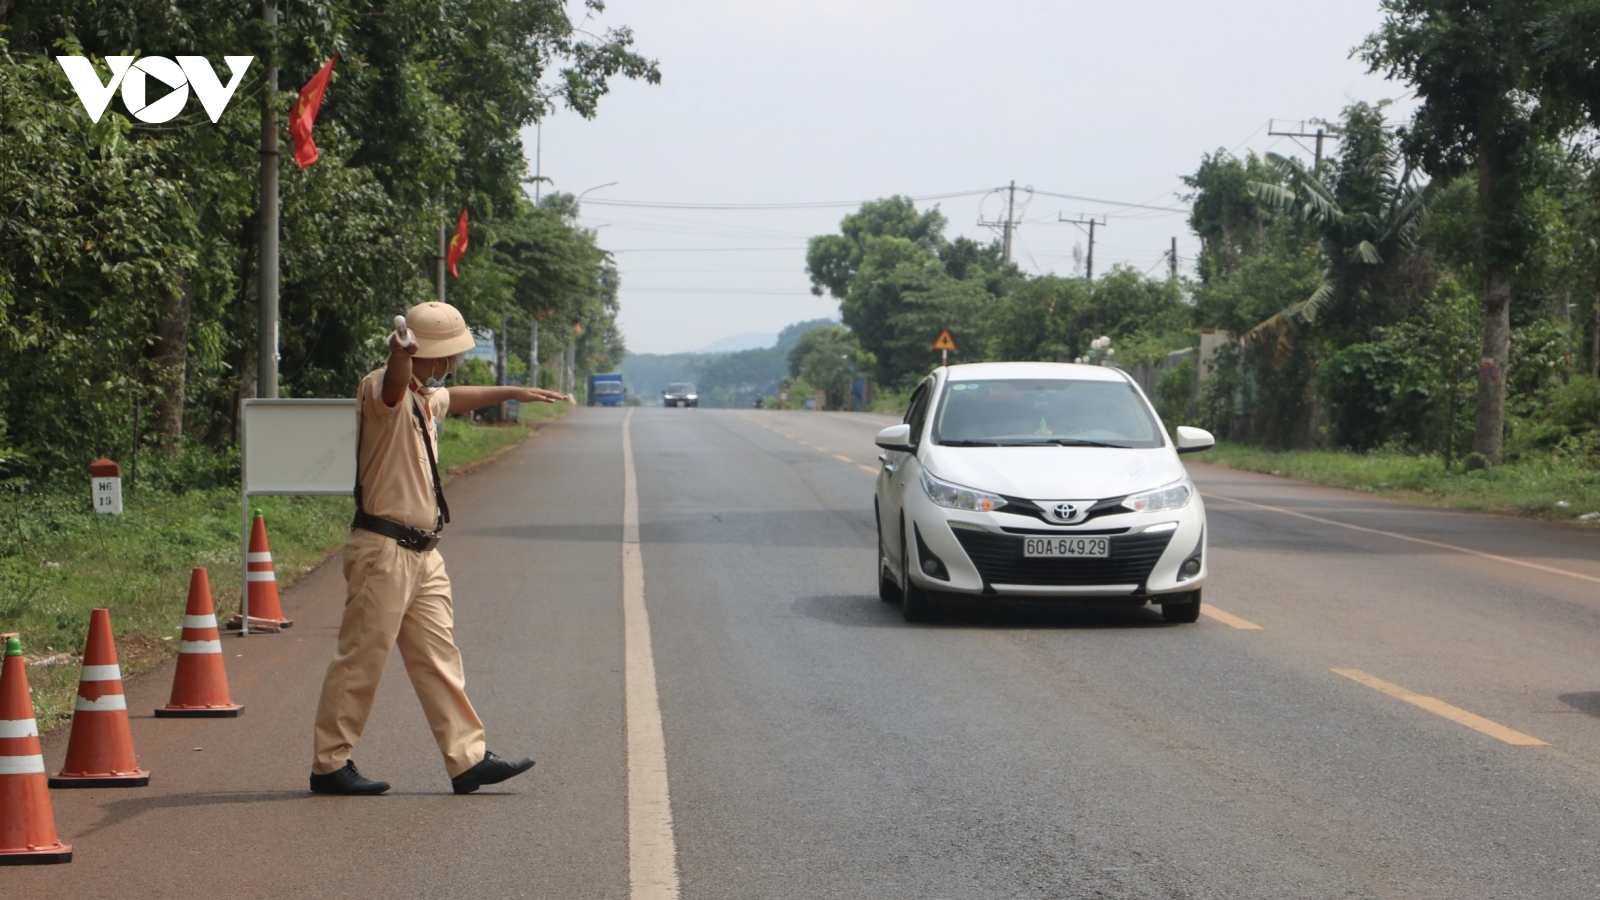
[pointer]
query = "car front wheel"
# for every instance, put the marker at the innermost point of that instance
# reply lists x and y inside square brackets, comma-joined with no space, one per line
[1182,611]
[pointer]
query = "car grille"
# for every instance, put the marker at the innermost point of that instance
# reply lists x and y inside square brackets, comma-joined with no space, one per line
[1021,507]
[999,560]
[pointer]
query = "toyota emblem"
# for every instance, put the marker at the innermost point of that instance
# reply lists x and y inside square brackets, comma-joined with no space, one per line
[1065,512]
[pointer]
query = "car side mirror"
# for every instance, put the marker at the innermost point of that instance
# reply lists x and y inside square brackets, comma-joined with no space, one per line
[1193,440]
[895,437]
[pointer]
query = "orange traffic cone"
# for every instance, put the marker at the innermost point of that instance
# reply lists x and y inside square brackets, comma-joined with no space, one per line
[261,582]
[27,826]
[100,751]
[200,688]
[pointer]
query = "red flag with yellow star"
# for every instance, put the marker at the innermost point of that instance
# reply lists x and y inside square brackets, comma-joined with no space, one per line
[305,113]
[458,244]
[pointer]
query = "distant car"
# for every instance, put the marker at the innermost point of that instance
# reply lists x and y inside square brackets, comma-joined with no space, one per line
[1038,481]
[680,393]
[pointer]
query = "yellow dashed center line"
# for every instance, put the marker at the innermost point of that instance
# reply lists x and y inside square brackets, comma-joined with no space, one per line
[1440,708]
[1228,618]
[868,469]
[842,458]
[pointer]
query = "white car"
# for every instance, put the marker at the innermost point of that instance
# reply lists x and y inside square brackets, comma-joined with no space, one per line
[1038,481]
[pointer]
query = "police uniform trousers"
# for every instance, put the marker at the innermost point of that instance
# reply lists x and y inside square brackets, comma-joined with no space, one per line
[394,597]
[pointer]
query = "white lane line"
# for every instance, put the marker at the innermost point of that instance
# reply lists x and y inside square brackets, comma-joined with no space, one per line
[652,849]
[1405,537]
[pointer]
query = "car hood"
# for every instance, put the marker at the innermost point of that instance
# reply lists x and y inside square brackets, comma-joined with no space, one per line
[1055,473]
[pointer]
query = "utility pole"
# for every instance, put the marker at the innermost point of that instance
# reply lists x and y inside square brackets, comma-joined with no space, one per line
[1008,225]
[533,352]
[1319,134]
[1011,209]
[1092,222]
[440,260]
[267,267]
[1172,259]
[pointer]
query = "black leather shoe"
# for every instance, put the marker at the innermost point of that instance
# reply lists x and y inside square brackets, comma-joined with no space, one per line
[491,770]
[346,781]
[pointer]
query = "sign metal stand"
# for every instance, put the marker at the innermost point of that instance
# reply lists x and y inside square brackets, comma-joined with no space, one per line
[296,447]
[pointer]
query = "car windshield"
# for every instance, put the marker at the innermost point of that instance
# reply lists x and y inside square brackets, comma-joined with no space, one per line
[1033,411]
[608,387]
[682,387]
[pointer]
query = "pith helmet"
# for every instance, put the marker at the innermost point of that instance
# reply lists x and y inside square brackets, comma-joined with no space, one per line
[440,330]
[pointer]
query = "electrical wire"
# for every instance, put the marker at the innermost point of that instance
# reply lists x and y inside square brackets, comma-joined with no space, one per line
[820,204]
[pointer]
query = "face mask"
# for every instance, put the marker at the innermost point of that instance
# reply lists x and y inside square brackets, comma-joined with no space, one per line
[435,383]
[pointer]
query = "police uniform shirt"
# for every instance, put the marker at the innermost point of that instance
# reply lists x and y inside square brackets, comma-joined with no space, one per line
[396,482]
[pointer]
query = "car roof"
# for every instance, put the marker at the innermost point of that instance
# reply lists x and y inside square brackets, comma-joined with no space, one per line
[1001,370]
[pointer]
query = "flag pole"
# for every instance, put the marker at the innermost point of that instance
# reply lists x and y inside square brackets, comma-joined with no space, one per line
[267,269]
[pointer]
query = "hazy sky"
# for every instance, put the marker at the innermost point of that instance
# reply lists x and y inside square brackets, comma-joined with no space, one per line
[837,101]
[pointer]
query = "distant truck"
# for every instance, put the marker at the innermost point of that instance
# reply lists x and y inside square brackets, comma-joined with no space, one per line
[607,390]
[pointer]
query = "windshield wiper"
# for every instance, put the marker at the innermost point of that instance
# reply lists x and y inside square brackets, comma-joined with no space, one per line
[1077,442]
[971,444]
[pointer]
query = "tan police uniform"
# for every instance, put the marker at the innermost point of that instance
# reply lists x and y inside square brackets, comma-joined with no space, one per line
[396,596]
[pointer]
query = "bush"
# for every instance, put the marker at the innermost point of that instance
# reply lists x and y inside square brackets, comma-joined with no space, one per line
[1175,401]
[1376,393]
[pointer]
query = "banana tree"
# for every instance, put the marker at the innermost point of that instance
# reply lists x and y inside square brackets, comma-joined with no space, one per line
[1366,221]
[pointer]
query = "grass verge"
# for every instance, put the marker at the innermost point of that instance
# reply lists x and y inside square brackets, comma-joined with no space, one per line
[70,560]
[1549,489]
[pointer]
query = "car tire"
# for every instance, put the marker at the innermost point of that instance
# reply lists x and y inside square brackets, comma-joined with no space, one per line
[1182,613]
[915,604]
[888,591]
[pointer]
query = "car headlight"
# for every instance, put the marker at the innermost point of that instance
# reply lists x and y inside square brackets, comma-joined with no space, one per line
[1173,496]
[694,396]
[954,496]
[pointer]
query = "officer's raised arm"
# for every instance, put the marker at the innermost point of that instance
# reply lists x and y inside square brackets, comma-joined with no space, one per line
[397,374]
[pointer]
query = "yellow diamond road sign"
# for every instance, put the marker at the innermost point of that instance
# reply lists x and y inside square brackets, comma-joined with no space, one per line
[945,341]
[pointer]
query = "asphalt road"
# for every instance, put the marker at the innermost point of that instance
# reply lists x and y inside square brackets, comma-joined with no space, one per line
[1386,701]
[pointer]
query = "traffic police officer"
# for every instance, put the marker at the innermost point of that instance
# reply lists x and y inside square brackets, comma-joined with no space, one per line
[397,590]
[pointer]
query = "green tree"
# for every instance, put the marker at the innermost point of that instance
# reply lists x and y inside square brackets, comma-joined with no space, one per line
[1225,213]
[1367,215]
[832,260]
[1471,63]
[828,359]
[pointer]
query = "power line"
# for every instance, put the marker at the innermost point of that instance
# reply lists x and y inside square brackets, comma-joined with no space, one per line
[701,249]
[766,292]
[819,204]
[824,204]
[1117,203]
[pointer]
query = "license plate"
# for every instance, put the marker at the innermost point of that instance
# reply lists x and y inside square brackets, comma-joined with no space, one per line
[1052,547]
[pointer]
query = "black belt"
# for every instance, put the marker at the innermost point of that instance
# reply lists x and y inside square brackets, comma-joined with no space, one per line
[404,535]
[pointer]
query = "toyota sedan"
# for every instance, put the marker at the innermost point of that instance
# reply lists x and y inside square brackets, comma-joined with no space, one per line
[1038,481]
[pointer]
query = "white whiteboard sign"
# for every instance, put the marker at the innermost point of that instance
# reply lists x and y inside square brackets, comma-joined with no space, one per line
[298,446]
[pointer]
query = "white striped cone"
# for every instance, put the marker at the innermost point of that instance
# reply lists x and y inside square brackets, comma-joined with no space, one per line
[261,582]
[27,824]
[200,686]
[100,751]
